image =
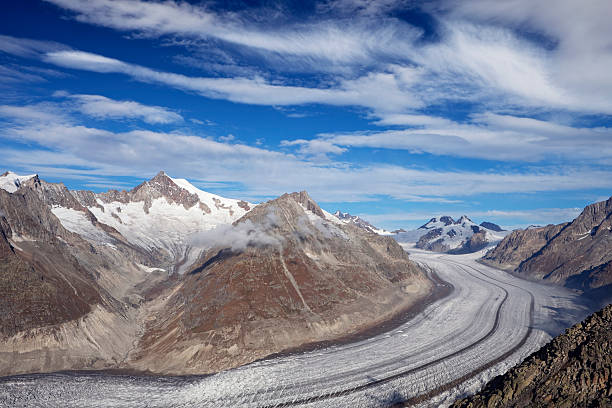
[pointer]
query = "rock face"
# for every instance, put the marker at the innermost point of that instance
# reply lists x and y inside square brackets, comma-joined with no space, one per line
[576,254]
[491,226]
[520,245]
[41,283]
[299,277]
[573,370]
[463,236]
[170,279]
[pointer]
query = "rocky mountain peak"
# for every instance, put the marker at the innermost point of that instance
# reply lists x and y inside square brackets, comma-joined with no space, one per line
[575,254]
[359,222]
[437,222]
[447,220]
[159,186]
[308,203]
[464,218]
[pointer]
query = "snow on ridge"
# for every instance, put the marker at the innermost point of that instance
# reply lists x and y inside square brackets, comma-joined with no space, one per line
[11,181]
[77,222]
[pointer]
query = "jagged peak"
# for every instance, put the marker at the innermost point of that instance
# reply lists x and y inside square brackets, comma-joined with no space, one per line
[160,175]
[464,218]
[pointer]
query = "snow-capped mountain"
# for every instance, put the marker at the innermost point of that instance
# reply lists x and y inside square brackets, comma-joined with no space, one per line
[11,182]
[444,234]
[158,216]
[412,236]
[359,222]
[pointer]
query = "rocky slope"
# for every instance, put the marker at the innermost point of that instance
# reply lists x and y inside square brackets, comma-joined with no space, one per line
[297,276]
[60,302]
[576,254]
[443,234]
[89,280]
[573,370]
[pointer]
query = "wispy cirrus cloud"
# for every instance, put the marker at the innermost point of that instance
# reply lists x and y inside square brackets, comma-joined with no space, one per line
[363,91]
[349,41]
[475,57]
[101,107]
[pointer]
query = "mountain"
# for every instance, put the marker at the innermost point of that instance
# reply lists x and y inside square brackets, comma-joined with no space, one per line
[158,215]
[573,370]
[298,275]
[577,254]
[359,222]
[63,298]
[444,234]
[167,278]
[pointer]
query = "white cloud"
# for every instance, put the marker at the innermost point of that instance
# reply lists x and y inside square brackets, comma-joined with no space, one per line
[261,172]
[24,47]
[580,38]
[317,147]
[347,41]
[488,136]
[381,91]
[38,114]
[102,107]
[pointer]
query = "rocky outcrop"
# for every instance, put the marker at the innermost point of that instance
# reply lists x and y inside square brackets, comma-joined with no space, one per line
[573,370]
[577,254]
[491,226]
[298,278]
[474,243]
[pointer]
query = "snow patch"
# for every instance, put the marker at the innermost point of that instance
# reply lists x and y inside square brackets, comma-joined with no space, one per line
[12,181]
[77,222]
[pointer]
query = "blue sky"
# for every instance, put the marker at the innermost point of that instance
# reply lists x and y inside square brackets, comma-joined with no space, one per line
[393,110]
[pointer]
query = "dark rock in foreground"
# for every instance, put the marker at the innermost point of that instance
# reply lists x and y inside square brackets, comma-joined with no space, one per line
[573,370]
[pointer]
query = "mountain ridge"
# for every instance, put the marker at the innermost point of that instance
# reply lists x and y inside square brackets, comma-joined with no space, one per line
[575,254]
[207,291]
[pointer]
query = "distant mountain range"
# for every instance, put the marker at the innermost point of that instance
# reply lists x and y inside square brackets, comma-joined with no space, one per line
[359,222]
[444,234]
[167,278]
[439,234]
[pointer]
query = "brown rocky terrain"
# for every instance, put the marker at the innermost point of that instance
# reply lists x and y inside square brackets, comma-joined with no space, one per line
[576,254]
[573,370]
[299,279]
[79,294]
[520,245]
